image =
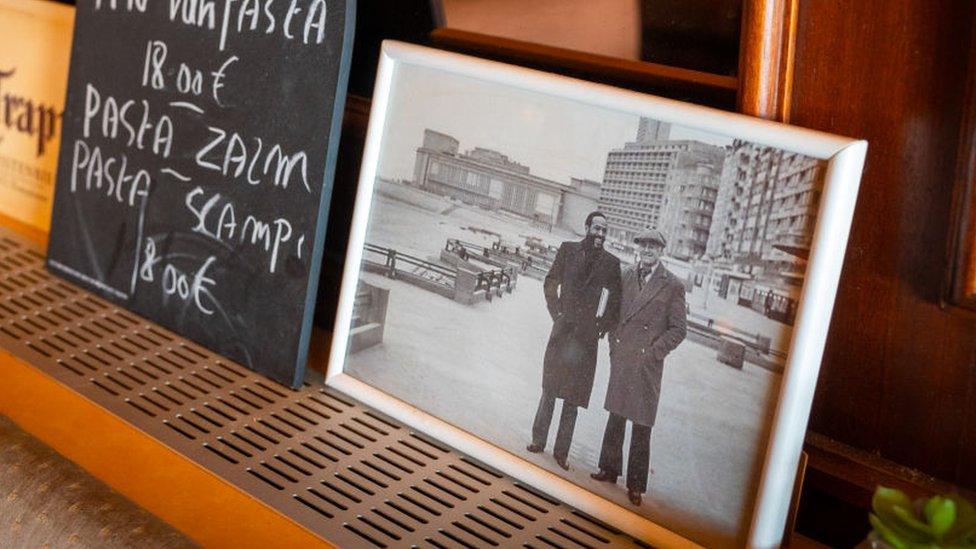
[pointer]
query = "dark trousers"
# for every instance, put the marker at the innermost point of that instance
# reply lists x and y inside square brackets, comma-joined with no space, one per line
[638,460]
[567,422]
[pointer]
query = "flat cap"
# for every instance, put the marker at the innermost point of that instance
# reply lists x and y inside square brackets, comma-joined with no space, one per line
[651,235]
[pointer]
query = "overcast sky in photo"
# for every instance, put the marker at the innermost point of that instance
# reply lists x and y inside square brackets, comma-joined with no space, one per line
[556,138]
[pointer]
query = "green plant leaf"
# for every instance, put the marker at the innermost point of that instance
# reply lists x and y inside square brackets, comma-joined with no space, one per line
[940,513]
[884,502]
[906,533]
[890,506]
[885,497]
[907,518]
[963,530]
[886,533]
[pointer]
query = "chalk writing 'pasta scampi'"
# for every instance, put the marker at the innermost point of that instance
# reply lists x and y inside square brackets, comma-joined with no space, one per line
[189,125]
[109,174]
[266,235]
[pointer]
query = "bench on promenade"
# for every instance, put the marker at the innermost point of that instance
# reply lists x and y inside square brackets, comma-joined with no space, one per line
[368,317]
[730,342]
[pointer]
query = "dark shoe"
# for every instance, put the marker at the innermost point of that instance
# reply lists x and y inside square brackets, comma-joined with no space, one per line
[562,463]
[604,476]
[634,496]
[534,448]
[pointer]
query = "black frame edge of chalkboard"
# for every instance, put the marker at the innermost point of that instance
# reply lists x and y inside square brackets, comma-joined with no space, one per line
[325,198]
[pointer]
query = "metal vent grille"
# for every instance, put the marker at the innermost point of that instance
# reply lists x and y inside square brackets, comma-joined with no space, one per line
[353,476]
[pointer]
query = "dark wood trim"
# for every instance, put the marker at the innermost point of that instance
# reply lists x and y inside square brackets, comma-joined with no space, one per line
[355,120]
[767,48]
[628,73]
[437,13]
[793,513]
[961,279]
[851,475]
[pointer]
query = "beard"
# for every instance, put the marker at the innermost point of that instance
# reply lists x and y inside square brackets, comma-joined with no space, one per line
[593,241]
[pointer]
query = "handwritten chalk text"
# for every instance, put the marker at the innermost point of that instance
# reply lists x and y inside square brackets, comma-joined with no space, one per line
[303,20]
[230,156]
[109,174]
[193,287]
[189,80]
[135,128]
[268,236]
[127,5]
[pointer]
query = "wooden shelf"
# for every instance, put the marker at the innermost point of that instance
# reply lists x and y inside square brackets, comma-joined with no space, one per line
[703,87]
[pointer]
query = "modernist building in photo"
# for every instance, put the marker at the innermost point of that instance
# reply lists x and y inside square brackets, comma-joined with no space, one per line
[486,178]
[767,205]
[670,185]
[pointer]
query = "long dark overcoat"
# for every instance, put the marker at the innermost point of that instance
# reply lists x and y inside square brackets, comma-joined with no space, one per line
[652,323]
[572,293]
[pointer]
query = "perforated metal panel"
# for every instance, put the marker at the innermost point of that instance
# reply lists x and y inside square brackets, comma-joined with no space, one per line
[351,475]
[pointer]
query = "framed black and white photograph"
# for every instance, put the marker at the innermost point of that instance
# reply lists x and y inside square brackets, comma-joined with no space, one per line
[618,299]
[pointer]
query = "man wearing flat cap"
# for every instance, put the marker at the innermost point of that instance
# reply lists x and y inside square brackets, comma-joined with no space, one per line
[652,323]
[582,291]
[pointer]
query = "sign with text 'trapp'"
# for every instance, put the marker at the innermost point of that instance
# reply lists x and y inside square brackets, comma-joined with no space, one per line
[35,44]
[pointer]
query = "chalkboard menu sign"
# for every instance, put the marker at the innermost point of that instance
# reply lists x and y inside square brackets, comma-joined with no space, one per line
[198,148]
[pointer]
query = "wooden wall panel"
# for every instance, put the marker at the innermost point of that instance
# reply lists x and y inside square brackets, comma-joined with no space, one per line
[898,371]
[965,468]
[961,280]
[925,385]
[766,58]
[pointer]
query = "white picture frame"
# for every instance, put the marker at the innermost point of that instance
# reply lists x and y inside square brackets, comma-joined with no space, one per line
[844,160]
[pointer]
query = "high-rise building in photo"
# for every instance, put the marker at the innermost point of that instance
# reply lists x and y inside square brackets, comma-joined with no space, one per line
[768,202]
[669,185]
